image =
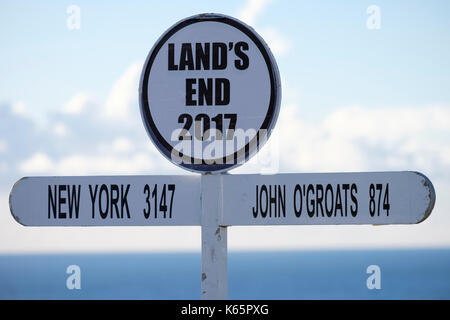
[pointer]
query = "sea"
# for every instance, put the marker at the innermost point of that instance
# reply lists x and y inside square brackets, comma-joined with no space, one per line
[405,274]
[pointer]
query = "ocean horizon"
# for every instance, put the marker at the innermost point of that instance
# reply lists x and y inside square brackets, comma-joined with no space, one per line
[404,274]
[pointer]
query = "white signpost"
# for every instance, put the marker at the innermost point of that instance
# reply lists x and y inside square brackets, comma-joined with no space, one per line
[327,198]
[209,96]
[107,201]
[210,93]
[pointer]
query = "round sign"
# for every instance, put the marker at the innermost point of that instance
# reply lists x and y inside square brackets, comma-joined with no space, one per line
[210,93]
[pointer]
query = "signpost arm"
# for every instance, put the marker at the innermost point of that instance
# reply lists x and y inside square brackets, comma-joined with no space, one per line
[214,240]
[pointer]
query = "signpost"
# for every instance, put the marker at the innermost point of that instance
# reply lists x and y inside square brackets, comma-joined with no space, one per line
[327,198]
[210,93]
[209,97]
[107,201]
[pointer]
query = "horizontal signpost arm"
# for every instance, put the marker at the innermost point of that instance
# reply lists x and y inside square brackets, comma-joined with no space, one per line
[375,198]
[107,201]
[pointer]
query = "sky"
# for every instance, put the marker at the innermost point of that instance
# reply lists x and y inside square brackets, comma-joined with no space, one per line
[365,87]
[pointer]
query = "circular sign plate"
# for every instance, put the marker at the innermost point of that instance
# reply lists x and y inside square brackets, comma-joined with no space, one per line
[210,93]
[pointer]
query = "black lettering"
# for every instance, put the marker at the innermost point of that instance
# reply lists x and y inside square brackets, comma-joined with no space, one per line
[115,199]
[103,190]
[319,199]
[338,205]
[329,189]
[298,212]
[309,209]
[202,125]
[171,57]
[265,207]
[354,191]
[187,120]
[186,58]
[124,201]
[190,91]
[243,63]
[222,91]
[282,201]
[202,56]
[219,56]
[93,196]
[255,209]
[147,211]
[61,200]
[52,201]
[346,187]
[171,188]
[74,200]
[272,200]
[205,91]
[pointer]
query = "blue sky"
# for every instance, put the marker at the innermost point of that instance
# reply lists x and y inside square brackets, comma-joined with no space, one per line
[353,99]
[403,63]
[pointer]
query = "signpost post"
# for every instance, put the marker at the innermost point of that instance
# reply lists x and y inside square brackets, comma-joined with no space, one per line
[210,95]
[214,239]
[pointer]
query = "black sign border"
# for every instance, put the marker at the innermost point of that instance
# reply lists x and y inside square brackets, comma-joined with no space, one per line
[272,113]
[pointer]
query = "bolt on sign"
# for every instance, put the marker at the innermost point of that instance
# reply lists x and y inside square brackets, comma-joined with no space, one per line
[210,93]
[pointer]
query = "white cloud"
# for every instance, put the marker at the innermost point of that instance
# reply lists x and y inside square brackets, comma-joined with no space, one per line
[249,13]
[358,138]
[124,93]
[122,145]
[60,129]
[387,123]
[19,108]
[39,163]
[105,164]
[78,103]
[309,146]
[115,161]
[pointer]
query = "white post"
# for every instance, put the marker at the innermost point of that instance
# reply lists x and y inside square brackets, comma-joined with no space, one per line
[214,240]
